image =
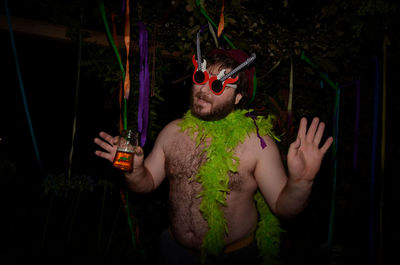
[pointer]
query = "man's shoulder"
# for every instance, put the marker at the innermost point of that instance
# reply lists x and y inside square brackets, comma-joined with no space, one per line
[172,128]
[173,125]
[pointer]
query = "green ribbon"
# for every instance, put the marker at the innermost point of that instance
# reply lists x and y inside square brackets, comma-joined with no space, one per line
[103,15]
[121,66]
[334,145]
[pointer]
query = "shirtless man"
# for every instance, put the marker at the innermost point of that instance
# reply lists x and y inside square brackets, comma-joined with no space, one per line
[177,156]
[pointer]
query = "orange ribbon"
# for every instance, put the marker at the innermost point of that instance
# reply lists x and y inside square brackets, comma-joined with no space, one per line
[127,83]
[113,15]
[221,21]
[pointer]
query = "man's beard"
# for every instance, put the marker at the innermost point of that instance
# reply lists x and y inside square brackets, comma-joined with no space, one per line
[216,113]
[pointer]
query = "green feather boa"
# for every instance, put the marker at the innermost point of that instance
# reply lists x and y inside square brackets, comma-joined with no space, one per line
[224,135]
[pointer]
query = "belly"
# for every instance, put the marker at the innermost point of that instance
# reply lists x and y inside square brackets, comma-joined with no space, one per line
[188,225]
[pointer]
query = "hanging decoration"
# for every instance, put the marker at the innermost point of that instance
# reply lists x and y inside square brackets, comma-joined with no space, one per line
[373,159]
[121,83]
[127,40]
[334,145]
[205,14]
[386,42]
[144,84]
[221,20]
[210,27]
[21,84]
[76,102]
[110,39]
[127,43]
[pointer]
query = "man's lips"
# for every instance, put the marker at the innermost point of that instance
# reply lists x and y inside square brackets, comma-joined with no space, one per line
[202,100]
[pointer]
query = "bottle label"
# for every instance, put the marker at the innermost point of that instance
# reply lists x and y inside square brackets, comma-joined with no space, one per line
[123,161]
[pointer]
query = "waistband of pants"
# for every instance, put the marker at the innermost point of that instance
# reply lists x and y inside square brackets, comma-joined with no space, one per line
[244,242]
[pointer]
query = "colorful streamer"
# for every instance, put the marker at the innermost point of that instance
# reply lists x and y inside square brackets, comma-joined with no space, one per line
[373,160]
[76,103]
[121,83]
[144,84]
[210,27]
[334,145]
[127,40]
[383,140]
[21,84]
[221,20]
[110,39]
[205,14]
[386,42]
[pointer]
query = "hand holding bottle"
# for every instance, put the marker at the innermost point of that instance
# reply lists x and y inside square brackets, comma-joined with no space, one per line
[119,150]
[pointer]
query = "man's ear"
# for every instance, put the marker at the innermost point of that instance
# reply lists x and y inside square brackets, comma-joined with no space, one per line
[238,97]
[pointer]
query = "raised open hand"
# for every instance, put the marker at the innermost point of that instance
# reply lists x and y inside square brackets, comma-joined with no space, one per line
[305,155]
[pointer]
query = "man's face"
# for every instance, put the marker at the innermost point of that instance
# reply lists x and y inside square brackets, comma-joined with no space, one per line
[207,106]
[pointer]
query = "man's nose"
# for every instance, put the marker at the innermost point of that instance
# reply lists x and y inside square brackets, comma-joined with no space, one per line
[205,88]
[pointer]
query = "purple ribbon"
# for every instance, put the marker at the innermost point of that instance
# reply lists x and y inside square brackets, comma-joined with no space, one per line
[202,28]
[254,117]
[144,84]
[123,8]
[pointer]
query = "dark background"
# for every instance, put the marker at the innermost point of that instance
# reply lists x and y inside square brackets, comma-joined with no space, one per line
[87,223]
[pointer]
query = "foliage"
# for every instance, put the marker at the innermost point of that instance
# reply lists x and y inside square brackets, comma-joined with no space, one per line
[333,33]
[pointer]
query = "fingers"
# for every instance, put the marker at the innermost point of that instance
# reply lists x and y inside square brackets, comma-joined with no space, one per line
[311,131]
[103,154]
[139,157]
[314,133]
[107,137]
[106,142]
[319,133]
[105,145]
[296,144]
[294,147]
[326,145]
[302,128]
[139,151]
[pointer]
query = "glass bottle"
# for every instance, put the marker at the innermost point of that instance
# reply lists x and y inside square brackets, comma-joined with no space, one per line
[127,142]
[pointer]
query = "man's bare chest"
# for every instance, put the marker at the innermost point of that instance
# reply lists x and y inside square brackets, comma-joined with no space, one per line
[184,158]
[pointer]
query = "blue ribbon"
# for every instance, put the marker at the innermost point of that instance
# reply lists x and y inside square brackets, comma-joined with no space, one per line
[21,84]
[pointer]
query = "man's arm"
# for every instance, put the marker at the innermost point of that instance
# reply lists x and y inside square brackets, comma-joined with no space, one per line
[147,174]
[288,196]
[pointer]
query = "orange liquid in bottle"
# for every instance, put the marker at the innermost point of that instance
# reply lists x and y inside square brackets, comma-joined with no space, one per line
[124,161]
